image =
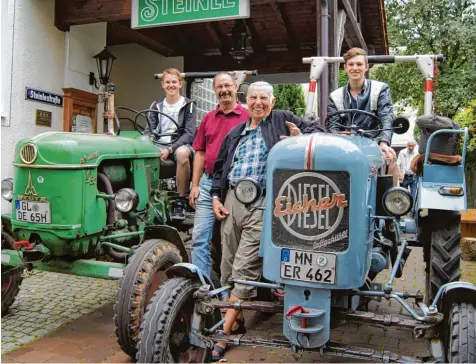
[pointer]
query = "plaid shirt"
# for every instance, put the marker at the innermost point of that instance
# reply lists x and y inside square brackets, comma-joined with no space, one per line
[250,157]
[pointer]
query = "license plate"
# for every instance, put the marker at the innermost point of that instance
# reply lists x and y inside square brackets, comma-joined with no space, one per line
[30,211]
[308,266]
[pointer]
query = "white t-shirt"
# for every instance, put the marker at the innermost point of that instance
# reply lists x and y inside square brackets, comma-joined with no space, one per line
[166,125]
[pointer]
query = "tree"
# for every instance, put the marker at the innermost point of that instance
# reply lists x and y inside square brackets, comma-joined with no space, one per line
[432,27]
[467,118]
[290,97]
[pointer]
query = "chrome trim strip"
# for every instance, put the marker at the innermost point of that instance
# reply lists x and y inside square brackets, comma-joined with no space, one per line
[56,166]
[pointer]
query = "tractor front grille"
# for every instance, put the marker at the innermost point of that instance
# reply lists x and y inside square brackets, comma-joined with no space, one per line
[28,153]
[311,210]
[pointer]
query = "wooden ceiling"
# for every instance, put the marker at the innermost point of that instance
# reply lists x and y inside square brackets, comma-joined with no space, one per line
[282,32]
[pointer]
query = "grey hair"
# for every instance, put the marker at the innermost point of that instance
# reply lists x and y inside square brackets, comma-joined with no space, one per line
[262,85]
[411,141]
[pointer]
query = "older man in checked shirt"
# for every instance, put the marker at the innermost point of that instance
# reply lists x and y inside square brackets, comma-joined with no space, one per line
[243,153]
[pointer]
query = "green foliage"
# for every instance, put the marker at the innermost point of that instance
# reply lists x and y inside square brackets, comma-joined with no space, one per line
[467,118]
[290,97]
[343,79]
[432,27]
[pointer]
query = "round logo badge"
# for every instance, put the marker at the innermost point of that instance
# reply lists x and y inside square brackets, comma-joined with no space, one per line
[321,261]
[40,179]
[310,206]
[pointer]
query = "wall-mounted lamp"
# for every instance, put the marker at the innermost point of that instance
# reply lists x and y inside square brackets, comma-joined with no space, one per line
[104,61]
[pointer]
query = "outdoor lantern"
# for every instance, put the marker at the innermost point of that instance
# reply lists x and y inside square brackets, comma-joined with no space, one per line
[240,48]
[104,60]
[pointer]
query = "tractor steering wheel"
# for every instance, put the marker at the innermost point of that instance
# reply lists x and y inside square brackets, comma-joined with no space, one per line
[145,113]
[353,129]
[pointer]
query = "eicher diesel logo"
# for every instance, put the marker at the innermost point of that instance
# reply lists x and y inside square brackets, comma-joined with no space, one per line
[311,209]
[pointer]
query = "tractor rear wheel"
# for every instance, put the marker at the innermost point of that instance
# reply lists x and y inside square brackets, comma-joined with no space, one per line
[144,274]
[11,277]
[461,337]
[166,328]
[442,232]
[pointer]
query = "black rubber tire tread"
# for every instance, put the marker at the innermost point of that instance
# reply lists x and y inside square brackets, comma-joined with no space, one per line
[462,334]
[130,301]
[9,296]
[159,317]
[445,253]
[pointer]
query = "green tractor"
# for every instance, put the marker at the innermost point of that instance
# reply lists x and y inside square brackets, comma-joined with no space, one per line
[94,205]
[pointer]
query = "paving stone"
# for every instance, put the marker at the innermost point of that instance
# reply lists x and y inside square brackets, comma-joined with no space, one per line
[25,339]
[35,356]
[7,346]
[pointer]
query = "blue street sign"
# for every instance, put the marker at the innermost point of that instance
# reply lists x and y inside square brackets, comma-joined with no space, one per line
[44,97]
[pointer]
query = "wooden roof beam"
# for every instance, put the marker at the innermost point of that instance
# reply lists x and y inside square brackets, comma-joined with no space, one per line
[256,42]
[76,12]
[353,28]
[137,36]
[218,38]
[283,19]
[265,62]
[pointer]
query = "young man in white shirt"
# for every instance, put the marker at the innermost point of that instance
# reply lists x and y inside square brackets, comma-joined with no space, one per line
[405,157]
[182,110]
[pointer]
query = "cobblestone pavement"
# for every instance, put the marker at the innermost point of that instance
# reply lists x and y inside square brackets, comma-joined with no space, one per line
[91,338]
[48,301]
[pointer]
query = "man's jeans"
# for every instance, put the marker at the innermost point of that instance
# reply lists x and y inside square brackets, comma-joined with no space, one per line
[409,180]
[203,226]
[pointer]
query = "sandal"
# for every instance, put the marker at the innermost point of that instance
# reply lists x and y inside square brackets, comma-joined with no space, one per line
[241,328]
[221,351]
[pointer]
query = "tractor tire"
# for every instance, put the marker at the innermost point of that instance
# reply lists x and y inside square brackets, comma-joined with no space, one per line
[166,326]
[462,334]
[11,283]
[443,250]
[142,277]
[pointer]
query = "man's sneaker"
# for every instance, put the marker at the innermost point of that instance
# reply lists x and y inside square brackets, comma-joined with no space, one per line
[178,210]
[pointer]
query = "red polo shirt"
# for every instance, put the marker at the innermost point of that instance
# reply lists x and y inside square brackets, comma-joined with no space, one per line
[213,129]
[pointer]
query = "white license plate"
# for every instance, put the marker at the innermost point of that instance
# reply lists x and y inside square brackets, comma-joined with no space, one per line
[30,211]
[308,266]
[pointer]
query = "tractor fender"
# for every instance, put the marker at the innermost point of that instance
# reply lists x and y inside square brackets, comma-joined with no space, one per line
[188,270]
[455,293]
[168,233]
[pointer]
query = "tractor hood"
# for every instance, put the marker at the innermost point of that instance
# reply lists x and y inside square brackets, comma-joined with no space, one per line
[80,149]
[324,151]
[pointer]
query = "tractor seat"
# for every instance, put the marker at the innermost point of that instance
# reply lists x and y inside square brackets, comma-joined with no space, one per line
[168,169]
[434,158]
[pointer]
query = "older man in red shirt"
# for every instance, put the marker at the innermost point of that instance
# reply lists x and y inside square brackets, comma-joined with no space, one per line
[214,127]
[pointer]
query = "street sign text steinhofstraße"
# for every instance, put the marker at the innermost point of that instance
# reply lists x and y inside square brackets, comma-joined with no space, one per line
[154,13]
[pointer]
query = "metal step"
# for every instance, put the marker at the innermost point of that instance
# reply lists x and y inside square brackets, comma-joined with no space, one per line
[313,329]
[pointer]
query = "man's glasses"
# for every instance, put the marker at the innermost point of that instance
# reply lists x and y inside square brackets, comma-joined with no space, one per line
[226,86]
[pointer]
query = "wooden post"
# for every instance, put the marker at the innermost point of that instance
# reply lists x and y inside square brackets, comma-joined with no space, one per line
[334,48]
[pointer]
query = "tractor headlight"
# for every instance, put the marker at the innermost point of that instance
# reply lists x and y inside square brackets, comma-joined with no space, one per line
[7,189]
[247,191]
[126,199]
[397,201]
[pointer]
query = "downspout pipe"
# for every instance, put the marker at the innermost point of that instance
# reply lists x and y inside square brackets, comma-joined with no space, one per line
[324,47]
